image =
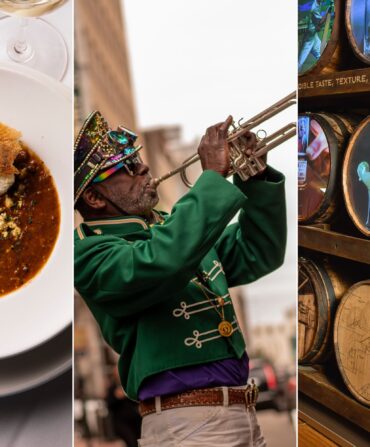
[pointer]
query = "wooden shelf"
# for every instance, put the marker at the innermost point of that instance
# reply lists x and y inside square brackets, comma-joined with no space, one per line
[319,426]
[337,244]
[308,436]
[337,83]
[319,387]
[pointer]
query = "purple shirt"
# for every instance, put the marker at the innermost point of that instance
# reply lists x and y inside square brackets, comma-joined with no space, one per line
[228,372]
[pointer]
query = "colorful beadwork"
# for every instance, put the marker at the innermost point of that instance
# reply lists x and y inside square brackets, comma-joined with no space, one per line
[99,148]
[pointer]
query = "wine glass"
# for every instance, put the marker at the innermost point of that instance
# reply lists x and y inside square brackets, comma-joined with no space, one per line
[30,40]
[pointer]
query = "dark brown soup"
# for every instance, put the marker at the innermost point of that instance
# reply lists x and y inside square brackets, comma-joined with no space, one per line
[29,222]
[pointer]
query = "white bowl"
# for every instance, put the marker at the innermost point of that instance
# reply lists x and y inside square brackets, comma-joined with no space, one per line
[41,109]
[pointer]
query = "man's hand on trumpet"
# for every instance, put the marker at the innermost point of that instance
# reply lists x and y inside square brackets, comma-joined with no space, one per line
[251,146]
[214,150]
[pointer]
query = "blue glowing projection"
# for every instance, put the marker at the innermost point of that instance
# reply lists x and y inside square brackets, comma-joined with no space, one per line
[360,26]
[356,176]
[363,171]
[315,26]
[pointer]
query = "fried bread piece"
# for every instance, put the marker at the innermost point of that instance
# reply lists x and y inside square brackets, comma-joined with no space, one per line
[9,149]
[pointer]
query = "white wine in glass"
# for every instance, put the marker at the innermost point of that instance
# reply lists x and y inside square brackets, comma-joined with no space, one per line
[32,41]
[29,8]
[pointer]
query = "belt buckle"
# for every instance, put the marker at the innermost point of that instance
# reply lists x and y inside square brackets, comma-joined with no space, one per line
[251,394]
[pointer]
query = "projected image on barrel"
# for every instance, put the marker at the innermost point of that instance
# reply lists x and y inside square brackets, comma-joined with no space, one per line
[313,167]
[356,177]
[307,314]
[358,27]
[315,26]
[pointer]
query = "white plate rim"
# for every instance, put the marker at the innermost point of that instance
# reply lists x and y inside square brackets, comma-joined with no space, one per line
[62,90]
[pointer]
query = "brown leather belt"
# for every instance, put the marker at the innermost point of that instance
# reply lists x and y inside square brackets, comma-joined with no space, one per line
[203,397]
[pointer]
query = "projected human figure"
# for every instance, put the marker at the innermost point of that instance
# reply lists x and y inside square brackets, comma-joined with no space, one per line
[363,171]
[367,29]
[311,40]
[303,133]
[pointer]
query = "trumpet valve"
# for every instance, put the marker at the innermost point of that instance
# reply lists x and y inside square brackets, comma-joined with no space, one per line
[256,165]
[248,167]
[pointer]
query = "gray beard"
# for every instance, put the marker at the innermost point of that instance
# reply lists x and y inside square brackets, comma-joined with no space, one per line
[139,206]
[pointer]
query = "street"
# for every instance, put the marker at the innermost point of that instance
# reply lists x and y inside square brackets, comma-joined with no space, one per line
[277,428]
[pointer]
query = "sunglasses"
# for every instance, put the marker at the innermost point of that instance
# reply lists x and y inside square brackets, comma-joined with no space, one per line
[123,139]
[130,165]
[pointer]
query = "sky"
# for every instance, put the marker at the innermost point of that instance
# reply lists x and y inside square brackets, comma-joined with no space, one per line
[195,62]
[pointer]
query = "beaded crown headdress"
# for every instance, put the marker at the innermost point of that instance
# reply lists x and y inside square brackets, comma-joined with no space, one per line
[99,148]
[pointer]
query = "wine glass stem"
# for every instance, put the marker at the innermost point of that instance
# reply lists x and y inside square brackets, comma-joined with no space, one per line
[20,45]
[19,49]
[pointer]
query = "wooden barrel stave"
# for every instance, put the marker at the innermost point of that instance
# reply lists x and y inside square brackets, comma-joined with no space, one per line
[315,314]
[352,340]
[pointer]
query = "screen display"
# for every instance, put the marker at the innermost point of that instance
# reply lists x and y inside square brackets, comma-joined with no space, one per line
[315,25]
[313,166]
[357,171]
[360,25]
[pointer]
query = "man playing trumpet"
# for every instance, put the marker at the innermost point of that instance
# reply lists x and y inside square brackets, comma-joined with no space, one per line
[158,284]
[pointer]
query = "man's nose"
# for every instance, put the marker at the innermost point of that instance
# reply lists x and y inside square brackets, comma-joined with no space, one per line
[142,169]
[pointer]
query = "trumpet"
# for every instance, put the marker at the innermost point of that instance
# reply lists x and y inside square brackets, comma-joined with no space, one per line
[244,165]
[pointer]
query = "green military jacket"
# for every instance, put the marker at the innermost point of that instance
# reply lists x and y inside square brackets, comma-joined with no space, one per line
[143,282]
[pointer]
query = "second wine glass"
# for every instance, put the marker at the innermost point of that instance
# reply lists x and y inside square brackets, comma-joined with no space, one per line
[31,41]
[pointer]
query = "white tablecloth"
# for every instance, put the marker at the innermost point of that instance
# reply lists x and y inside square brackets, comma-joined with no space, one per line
[38,418]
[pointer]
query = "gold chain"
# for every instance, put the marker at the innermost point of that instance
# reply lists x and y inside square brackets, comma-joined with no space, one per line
[221,304]
[225,328]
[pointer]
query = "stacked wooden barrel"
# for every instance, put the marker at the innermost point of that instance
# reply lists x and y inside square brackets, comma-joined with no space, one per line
[352,340]
[334,168]
[320,288]
[334,217]
[322,140]
[333,314]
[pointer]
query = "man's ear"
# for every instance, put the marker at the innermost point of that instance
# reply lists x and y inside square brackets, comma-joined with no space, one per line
[93,199]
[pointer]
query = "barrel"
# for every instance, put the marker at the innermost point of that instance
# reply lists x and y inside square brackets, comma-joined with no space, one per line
[318,32]
[358,28]
[356,177]
[322,138]
[319,290]
[352,340]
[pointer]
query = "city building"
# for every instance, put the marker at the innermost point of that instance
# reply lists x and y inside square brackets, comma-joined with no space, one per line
[102,66]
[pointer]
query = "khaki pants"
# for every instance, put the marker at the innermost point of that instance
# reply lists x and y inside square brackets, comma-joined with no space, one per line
[219,426]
